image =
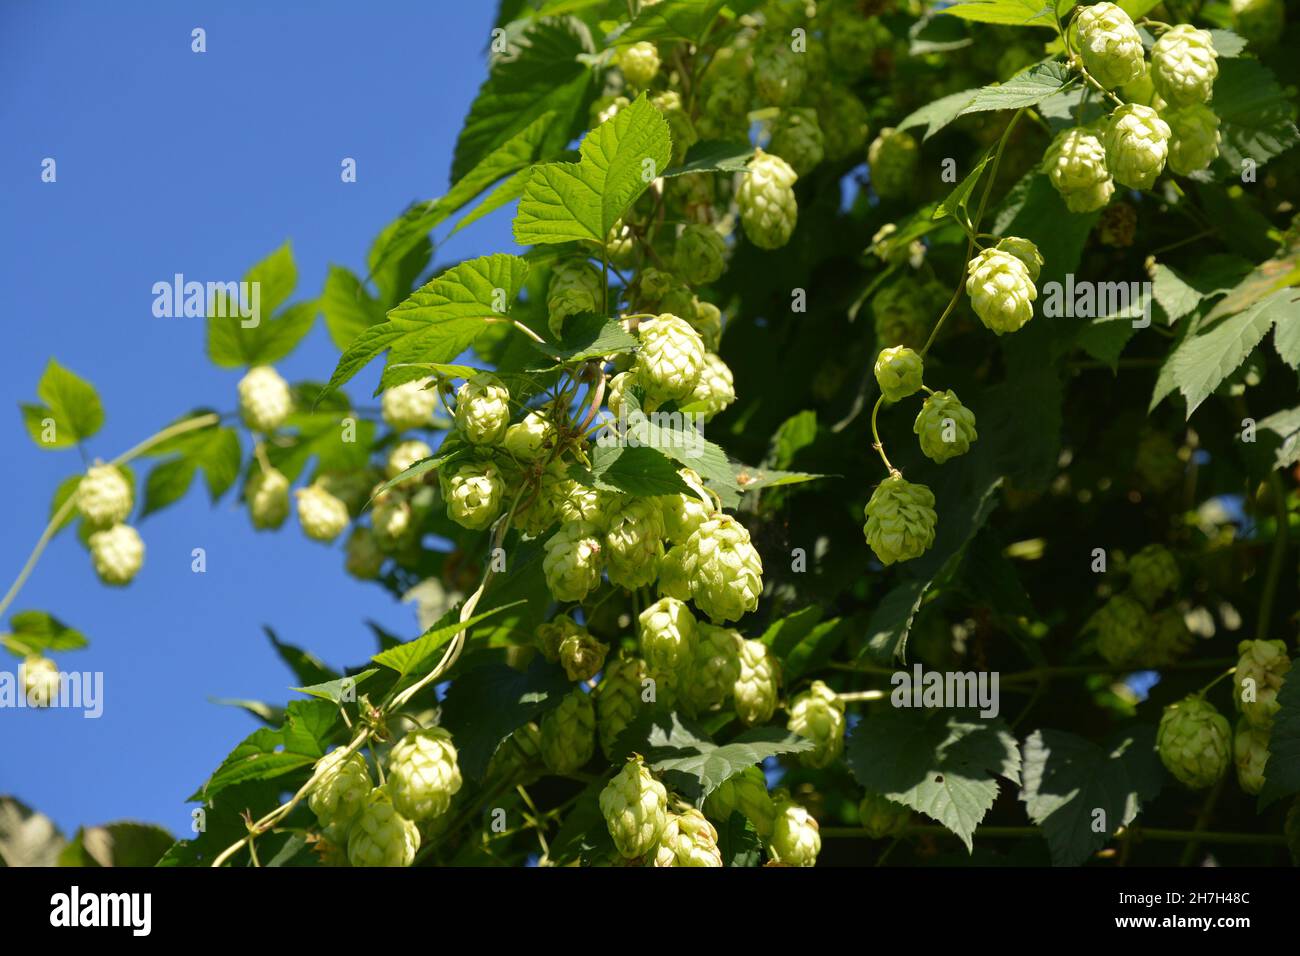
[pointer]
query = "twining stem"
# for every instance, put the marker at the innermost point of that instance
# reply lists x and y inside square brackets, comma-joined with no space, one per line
[1280,533]
[875,435]
[65,509]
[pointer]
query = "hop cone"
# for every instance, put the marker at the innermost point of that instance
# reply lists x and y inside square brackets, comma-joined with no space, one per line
[1124,630]
[1137,144]
[1250,754]
[364,556]
[1118,224]
[585,504]
[581,655]
[892,158]
[755,690]
[1193,138]
[473,494]
[635,807]
[620,246]
[40,680]
[688,840]
[1153,573]
[1157,462]
[900,520]
[264,399]
[1109,45]
[1184,65]
[903,311]
[708,322]
[104,496]
[746,793]
[700,256]
[1001,290]
[843,121]
[945,427]
[853,40]
[670,359]
[899,372]
[639,63]
[573,561]
[482,409]
[634,542]
[528,439]
[409,405]
[680,127]
[1025,251]
[798,140]
[423,774]
[1194,742]
[795,839]
[116,554]
[818,714]
[538,511]
[882,817]
[684,513]
[618,700]
[675,573]
[569,733]
[779,73]
[404,455]
[342,785]
[768,208]
[551,635]
[1262,667]
[380,836]
[576,287]
[667,632]
[714,668]
[1075,162]
[268,498]
[715,390]
[726,573]
[1259,21]
[1170,639]
[322,516]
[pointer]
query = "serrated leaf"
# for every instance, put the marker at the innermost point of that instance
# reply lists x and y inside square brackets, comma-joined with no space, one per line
[1015,13]
[957,199]
[269,753]
[1282,772]
[938,762]
[263,338]
[126,843]
[214,450]
[1173,293]
[671,20]
[587,337]
[339,689]
[415,658]
[938,114]
[672,434]
[506,192]
[1257,115]
[636,471]
[306,666]
[348,308]
[738,842]
[70,402]
[714,156]
[37,632]
[583,200]
[1069,779]
[702,769]
[1024,89]
[748,478]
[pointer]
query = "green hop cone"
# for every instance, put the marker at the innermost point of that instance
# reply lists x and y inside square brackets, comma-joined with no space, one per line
[726,103]
[581,503]
[365,558]
[945,427]
[1025,251]
[881,817]
[1261,669]
[756,686]
[473,493]
[700,256]
[715,390]
[680,128]
[1123,629]
[639,63]
[582,656]
[549,636]
[404,455]
[853,40]
[899,372]
[667,634]
[1001,291]
[818,714]
[391,515]
[726,572]
[267,494]
[380,836]
[569,733]
[1137,145]
[104,496]
[1109,45]
[684,513]
[616,393]
[1194,742]
[708,322]
[1153,573]
[342,785]
[40,680]
[606,108]
[1261,22]
[529,439]
[670,359]
[635,807]
[573,561]
[482,409]
[1075,162]
[264,399]
[576,287]
[1184,65]
[618,700]
[1156,461]
[843,121]
[620,246]
[796,839]
[713,670]
[423,774]
[900,520]
[322,515]
[1170,639]
[517,755]
[798,140]
[768,208]
[409,405]
[779,72]
[117,553]
[538,511]
[1250,754]
[1193,138]
[688,840]
[634,542]
[675,573]
[902,312]
[745,793]
[892,158]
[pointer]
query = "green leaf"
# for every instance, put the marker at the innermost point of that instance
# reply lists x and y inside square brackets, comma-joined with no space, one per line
[416,658]
[1173,293]
[306,666]
[794,434]
[940,763]
[341,689]
[27,838]
[698,770]
[70,402]
[1069,779]
[36,632]
[214,450]
[672,434]
[671,20]
[1024,89]
[263,338]
[714,156]
[589,336]
[276,277]
[583,200]
[956,201]
[738,842]
[125,843]
[441,319]
[541,73]
[1282,772]
[266,754]
[1257,115]
[349,309]
[636,471]
[268,714]
[506,192]
[1012,13]
[935,116]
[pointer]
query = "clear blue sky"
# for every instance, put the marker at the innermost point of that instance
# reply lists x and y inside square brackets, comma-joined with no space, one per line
[171,161]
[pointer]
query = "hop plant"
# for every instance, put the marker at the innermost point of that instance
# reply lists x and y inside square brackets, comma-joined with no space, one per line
[1153,573]
[1261,669]
[569,733]
[117,554]
[1184,65]
[576,287]
[635,807]
[1194,742]
[725,571]
[1001,290]
[409,405]
[667,632]
[671,358]
[684,513]
[482,409]
[581,655]
[945,427]
[902,313]
[473,492]
[1025,251]
[40,680]
[881,817]
[700,256]
[900,520]
[708,322]
[1123,630]
[1250,754]
[585,504]
[1137,144]
[818,714]
[391,517]
[264,399]
[843,122]
[1157,462]
[1260,21]
[796,839]
[746,793]
[573,561]
[853,40]
[620,246]
[713,669]
[688,840]
[1109,45]
[755,690]
[404,455]
[634,542]
[365,558]
[715,390]
[268,498]
[1170,638]
[899,372]
[541,509]
[680,127]
[380,836]
[798,140]
[104,496]
[618,700]
[606,108]
[1193,138]
[779,72]
[768,208]
[423,774]
[342,785]
[639,63]
[892,158]
[551,635]
[1075,162]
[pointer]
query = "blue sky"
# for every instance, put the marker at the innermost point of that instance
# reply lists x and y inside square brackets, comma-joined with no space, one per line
[170,161]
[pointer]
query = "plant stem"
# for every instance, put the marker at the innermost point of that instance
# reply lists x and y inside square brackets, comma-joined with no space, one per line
[1280,533]
[875,434]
